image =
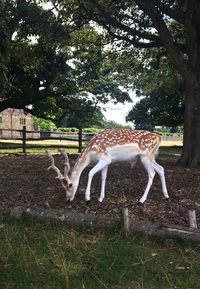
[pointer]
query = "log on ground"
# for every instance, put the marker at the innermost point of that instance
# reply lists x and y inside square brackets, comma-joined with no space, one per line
[95,221]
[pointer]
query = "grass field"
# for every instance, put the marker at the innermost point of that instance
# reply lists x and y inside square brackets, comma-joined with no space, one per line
[50,255]
[15,146]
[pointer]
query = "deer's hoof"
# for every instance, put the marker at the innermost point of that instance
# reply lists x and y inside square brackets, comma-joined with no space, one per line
[140,204]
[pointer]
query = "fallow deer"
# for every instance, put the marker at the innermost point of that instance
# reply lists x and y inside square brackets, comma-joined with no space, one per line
[107,147]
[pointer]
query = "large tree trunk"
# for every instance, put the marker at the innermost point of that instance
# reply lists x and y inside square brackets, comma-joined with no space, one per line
[191,140]
[188,64]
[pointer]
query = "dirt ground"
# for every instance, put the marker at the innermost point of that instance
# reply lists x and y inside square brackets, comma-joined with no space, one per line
[24,180]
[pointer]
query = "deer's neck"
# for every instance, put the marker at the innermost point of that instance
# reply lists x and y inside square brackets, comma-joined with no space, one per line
[79,166]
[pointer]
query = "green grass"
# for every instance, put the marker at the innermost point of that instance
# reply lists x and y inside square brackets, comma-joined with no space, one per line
[15,146]
[170,150]
[51,255]
[37,150]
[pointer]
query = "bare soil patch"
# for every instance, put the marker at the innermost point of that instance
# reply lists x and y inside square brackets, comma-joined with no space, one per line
[24,180]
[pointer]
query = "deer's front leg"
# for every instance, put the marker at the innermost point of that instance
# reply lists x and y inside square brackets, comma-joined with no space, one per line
[102,163]
[103,183]
[151,173]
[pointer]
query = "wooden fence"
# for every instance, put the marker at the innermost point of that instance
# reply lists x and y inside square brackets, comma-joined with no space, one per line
[26,136]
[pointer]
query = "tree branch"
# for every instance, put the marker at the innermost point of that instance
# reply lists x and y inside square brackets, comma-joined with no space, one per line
[132,41]
[172,13]
[150,9]
[117,24]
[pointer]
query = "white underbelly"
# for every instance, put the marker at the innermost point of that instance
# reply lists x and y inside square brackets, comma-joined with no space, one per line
[124,152]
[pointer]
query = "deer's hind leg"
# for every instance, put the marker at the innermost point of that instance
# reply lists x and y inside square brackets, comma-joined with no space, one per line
[160,171]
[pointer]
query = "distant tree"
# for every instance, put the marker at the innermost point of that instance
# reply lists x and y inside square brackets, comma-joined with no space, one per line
[43,124]
[82,114]
[113,124]
[158,108]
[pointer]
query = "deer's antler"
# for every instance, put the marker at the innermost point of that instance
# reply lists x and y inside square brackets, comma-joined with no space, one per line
[66,163]
[63,178]
[52,166]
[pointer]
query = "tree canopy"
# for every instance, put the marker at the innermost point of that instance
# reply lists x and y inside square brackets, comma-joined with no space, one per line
[72,57]
[170,27]
[51,66]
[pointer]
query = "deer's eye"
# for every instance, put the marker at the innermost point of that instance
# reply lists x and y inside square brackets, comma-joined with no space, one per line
[65,182]
[70,185]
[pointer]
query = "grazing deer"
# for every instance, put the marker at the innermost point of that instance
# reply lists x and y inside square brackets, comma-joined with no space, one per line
[109,146]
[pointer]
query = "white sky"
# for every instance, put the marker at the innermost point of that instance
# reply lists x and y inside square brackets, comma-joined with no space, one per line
[117,112]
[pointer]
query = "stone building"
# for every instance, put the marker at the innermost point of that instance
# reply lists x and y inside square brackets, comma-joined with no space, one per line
[12,119]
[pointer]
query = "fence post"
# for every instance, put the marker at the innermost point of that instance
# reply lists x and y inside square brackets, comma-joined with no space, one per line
[24,139]
[80,135]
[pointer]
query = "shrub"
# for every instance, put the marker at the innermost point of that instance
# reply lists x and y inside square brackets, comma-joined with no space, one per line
[68,129]
[90,129]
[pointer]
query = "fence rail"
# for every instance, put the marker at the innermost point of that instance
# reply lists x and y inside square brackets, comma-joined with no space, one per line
[26,136]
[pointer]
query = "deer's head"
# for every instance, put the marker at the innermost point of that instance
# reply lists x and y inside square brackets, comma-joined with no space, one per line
[65,178]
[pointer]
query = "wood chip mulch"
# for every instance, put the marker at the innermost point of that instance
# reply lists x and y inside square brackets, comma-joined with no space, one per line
[24,180]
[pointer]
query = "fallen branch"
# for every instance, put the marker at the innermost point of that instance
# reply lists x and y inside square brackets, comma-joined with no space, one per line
[91,220]
[71,218]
